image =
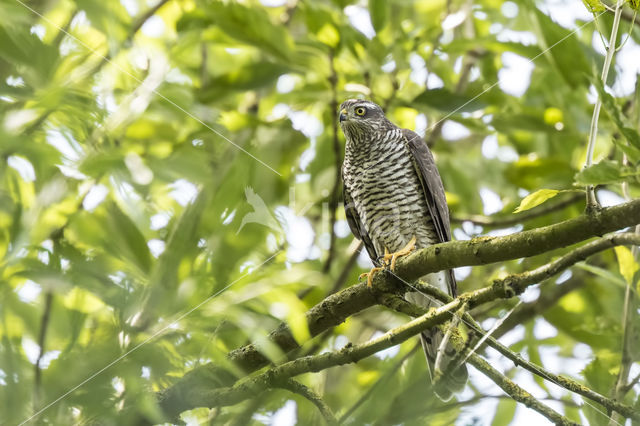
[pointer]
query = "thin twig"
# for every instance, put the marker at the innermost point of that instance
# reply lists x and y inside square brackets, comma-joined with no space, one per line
[517,393]
[342,277]
[628,319]
[44,326]
[592,202]
[561,381]
[335,192]
[496,221]
[469,62]
[346,270]
[380,382]
[632,383]
[307,393]
[139,22]
[244,417]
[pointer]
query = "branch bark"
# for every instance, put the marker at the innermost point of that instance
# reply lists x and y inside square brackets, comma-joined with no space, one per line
[517,393]
[567,383]
[191,388]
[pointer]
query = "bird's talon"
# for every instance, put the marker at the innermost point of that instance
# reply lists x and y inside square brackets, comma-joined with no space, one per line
[369,276]
[411,245]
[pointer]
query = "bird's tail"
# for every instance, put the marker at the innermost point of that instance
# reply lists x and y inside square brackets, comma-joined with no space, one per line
[454,377]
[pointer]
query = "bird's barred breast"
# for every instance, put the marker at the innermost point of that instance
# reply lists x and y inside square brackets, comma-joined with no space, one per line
[389,198]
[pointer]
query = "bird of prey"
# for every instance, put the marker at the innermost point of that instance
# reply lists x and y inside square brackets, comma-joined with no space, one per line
[394,202]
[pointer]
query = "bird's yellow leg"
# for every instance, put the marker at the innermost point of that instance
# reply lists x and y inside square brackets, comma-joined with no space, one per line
[411,245]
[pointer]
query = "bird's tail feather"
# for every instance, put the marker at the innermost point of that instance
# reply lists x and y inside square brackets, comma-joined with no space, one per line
[454,377]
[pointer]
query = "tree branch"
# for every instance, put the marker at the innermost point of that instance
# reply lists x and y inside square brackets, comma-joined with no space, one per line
[569,384]
[548,297]
[273,377]
[337,307]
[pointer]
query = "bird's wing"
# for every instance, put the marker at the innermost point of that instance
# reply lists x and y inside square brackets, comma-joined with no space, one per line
[356,225]
[432,188]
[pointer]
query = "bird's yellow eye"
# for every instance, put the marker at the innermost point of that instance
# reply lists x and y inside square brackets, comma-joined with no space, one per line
[361,111]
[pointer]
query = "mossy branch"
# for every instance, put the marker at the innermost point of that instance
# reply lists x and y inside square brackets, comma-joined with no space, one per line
[516,392]
[618,239]
[188,391]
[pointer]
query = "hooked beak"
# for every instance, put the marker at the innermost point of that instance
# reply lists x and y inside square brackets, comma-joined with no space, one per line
[343,115]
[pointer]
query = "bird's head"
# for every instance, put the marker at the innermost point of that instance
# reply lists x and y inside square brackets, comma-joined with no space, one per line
[358,118]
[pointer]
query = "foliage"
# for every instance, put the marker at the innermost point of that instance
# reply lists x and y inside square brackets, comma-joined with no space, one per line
[168,184]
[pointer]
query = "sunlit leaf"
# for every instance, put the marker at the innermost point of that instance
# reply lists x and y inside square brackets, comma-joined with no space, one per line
[594,5]
[83,301]
[378,10]
[627,263]
[535,199]
[505,412]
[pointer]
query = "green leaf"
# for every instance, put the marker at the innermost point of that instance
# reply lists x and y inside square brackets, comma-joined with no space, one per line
[378,9]
[83,301]
[129,237]
[251,25]
[533,172]
[567,54]
[249,77]
[181,243]
[535,199]
[626,263]
[600,376]
[329,35]
[616,115]
[593,5]
[632,153]
[605,172]
[505,411]
[604,273]
[492,44]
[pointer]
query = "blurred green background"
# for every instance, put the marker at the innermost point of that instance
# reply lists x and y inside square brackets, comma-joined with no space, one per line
[169,192]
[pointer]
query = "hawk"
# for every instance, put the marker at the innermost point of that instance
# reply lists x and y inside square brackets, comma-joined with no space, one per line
[394,202]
